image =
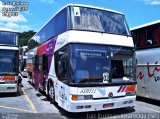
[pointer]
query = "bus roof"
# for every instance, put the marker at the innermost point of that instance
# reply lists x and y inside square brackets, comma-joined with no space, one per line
[24,46]
[7,30]
[145,25]
[78,5]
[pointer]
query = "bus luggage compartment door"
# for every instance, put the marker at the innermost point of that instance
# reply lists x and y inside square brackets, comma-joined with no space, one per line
[142,81]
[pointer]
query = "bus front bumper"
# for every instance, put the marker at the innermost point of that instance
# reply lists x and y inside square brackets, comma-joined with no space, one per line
[103,104]
[8,88]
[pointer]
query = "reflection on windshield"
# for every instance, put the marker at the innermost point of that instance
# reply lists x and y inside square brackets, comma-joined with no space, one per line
[89,63]
[8,62]
[98,20]
[7,38]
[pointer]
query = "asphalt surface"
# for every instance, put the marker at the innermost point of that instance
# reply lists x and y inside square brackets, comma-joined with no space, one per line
[31,104]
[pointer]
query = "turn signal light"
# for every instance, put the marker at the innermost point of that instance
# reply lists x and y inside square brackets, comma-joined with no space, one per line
[82,97]
[74,97]
[131,88]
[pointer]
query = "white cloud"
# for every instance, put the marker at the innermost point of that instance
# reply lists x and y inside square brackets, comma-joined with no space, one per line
[14,26]
[47,1]
[151,2]
[1,23]
[13,23]
[19,18]
[1,6]
[154,2]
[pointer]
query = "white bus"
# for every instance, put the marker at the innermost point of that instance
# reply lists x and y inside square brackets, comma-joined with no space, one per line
[8,61]
[147,42]
[84,59]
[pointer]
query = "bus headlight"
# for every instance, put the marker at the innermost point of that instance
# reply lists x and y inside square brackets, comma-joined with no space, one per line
[130,93]
[81,97]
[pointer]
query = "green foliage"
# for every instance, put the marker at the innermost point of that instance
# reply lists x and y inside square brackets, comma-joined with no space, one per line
[24,37]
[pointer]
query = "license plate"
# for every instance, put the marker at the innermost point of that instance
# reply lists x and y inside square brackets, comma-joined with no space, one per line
[108,105]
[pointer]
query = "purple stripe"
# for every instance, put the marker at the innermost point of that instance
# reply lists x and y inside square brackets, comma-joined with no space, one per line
[119,88]
[124,87]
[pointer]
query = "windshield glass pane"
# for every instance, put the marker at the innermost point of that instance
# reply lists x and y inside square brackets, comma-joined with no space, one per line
[89,63]
[8,62]
[7,38]
[90,19]
[122,64]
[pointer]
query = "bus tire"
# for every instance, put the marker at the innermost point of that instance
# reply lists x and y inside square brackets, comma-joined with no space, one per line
[50,91]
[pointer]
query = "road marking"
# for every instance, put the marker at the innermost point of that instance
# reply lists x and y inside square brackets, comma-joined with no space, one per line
[148,108]
[13,108]
[29,101]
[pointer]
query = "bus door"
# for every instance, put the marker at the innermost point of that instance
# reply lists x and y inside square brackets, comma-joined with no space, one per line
[44,70]
[62,72]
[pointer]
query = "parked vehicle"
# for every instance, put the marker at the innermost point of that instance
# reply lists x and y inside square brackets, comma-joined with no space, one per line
[8,61]
[147,42]
[83,58]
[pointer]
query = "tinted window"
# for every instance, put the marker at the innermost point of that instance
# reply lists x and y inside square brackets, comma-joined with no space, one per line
[62,64]
[153,35]
[54,27]
[147,37]
[7,38]
[98,20]
[8,62]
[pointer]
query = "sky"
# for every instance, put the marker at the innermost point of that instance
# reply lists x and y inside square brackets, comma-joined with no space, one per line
[137,12]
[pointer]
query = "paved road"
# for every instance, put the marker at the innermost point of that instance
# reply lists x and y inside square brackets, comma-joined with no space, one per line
[31,104]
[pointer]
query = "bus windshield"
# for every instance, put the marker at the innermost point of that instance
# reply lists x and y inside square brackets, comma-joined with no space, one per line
[8,62]
[7,38]
[122,64]
[90,19]
[89,63]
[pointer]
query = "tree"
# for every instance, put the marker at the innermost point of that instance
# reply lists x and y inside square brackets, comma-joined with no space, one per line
[24,37]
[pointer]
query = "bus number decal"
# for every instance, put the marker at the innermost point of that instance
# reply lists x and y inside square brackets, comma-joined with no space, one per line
[88,91]
[105,77]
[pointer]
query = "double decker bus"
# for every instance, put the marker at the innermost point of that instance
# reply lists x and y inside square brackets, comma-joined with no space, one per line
[8,61]
[147,43]
[83,58]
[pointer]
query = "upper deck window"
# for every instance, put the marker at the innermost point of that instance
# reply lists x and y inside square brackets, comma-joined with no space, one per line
[7,38]
[97,20]
[147,37]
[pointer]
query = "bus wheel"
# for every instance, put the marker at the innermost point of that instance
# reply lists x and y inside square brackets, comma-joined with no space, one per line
[50,91]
